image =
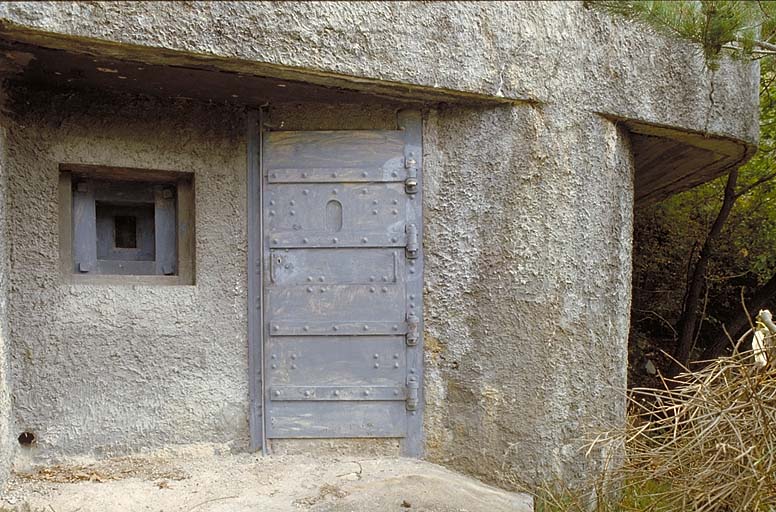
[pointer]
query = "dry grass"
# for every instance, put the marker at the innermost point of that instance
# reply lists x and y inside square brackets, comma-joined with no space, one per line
[705,441]
[709,437]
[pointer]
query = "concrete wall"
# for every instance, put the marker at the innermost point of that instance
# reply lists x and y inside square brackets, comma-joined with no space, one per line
[6,448]
[527,282]
[103,369]
[528,240]
[107,369]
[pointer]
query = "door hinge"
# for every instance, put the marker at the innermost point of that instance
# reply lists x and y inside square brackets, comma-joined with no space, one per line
[412,393]
[413,324]
[411,182]
[412,241]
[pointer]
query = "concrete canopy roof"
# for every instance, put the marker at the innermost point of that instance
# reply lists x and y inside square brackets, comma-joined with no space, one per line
[486,54]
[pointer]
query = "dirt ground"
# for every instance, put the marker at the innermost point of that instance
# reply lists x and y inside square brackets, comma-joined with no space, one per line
[207,482]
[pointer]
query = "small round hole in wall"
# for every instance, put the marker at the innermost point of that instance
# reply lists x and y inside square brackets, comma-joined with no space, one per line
[26,439]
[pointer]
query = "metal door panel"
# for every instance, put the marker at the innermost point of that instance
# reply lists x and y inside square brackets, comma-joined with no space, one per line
[313,418]
[335,304]
[367,208]
[342,260]
[322,152]
[307,267]
[337,361]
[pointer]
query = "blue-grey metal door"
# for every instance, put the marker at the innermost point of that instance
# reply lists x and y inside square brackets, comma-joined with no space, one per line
[343,263]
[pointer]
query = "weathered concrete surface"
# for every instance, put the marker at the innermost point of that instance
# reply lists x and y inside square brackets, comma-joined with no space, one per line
[103,369]
[528,210]
[6,450]
[528,243]
[243,483]
[527,283]
[554,52]
[106,370]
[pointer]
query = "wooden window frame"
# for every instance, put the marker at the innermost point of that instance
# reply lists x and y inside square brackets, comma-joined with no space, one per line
[183,225]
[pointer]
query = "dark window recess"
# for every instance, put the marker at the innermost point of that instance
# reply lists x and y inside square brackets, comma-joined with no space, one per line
[125,232]
[124,227]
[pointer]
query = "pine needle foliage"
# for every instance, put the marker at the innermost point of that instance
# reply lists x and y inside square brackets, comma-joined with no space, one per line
[743,29]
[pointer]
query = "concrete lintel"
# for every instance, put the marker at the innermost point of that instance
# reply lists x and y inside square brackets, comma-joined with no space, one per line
[173,58]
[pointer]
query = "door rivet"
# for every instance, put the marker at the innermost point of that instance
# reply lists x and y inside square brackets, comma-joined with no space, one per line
[335,328]
[274,366]
[293,367]
[366,327]
[396,356]
[336,393]
[395,365]
[305,191]
[277,328]
[309,290]
[364,240]
[384,290]
[292,203]
[305,328]
[372,289]
[366,393]
[374,212]
[376,356]
[277,393]
[377,365]
[374,201]
[364,174]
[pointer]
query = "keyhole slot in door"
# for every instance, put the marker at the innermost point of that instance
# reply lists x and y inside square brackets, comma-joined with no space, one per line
[334,216]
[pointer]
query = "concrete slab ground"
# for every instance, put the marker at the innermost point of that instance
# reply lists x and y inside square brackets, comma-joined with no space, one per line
[196,480]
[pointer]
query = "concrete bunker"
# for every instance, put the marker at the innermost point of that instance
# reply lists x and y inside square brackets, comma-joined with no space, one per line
[517,335]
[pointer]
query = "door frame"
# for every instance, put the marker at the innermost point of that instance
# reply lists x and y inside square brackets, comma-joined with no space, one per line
[411,123]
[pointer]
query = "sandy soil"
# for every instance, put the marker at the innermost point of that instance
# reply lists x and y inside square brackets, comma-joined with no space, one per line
[208,482]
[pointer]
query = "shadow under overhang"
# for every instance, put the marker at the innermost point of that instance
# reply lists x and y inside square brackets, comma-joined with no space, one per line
[668,161]
[59,59]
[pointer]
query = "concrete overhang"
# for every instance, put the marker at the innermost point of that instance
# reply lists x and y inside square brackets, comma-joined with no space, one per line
[76,61]
[668,161]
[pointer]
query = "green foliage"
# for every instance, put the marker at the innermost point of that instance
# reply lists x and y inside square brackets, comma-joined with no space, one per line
[668,236]
[741,27]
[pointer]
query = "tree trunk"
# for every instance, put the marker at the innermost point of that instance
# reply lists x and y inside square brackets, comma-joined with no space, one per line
[738,324]
[689,318]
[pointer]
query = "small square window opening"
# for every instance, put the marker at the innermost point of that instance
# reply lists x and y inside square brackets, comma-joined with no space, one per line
[125,228]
